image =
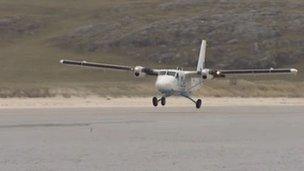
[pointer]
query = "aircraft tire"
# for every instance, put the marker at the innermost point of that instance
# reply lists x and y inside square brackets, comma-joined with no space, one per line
[155,101]
[163,101]
[198,103]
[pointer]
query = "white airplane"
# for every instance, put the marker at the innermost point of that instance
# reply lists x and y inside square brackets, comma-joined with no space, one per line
[179,82]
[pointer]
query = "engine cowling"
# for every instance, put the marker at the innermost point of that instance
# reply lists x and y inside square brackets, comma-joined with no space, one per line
[138,72]
[216,74]
[206,75]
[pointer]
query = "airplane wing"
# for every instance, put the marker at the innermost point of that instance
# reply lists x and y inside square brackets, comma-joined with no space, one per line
[224,73]
[137,69]
[96,65]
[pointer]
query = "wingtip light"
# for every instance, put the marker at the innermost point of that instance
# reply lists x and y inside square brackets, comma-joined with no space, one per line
[294,71]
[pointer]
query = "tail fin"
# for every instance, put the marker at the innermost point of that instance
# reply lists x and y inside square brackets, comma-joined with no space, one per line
[202,56]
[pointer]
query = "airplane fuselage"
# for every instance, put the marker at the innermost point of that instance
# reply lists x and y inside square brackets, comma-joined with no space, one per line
[175,82]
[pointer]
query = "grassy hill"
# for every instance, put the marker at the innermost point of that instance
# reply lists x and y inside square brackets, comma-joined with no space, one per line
[36,34]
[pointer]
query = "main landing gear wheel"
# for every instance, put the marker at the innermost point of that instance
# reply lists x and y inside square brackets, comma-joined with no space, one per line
[198,103]
[163,101]
[154,101]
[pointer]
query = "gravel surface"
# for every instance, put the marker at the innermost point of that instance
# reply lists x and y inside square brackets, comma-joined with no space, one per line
[146,138]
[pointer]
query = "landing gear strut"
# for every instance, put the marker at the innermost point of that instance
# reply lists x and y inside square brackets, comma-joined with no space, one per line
[162,100]
[198,103]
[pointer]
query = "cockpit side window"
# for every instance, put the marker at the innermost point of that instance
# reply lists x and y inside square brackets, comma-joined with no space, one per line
[162,73]
[171,73]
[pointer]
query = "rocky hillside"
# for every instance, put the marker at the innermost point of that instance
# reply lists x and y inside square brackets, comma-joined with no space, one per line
[35,35]
[15,26]
[240,34]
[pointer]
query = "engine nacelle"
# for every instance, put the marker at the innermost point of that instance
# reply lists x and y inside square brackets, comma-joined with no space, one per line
[138,72]
[206,75]
[216,74]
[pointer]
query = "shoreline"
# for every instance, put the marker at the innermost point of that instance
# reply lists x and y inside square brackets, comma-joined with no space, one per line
[80,102]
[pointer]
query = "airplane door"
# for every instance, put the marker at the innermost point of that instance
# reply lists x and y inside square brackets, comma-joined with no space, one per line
[182,80]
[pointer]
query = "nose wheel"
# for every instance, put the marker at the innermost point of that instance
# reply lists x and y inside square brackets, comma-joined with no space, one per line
[163,101]
[155,101]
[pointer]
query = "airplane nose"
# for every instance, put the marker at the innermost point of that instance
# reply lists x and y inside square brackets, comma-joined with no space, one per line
[164,83]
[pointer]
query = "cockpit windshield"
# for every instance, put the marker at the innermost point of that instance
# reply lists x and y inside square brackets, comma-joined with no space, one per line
[172,73]
[162,72]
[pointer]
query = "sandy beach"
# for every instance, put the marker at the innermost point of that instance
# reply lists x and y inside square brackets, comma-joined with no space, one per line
[140,102]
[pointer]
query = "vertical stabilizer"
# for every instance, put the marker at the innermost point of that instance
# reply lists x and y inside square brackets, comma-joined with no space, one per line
[202,55]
